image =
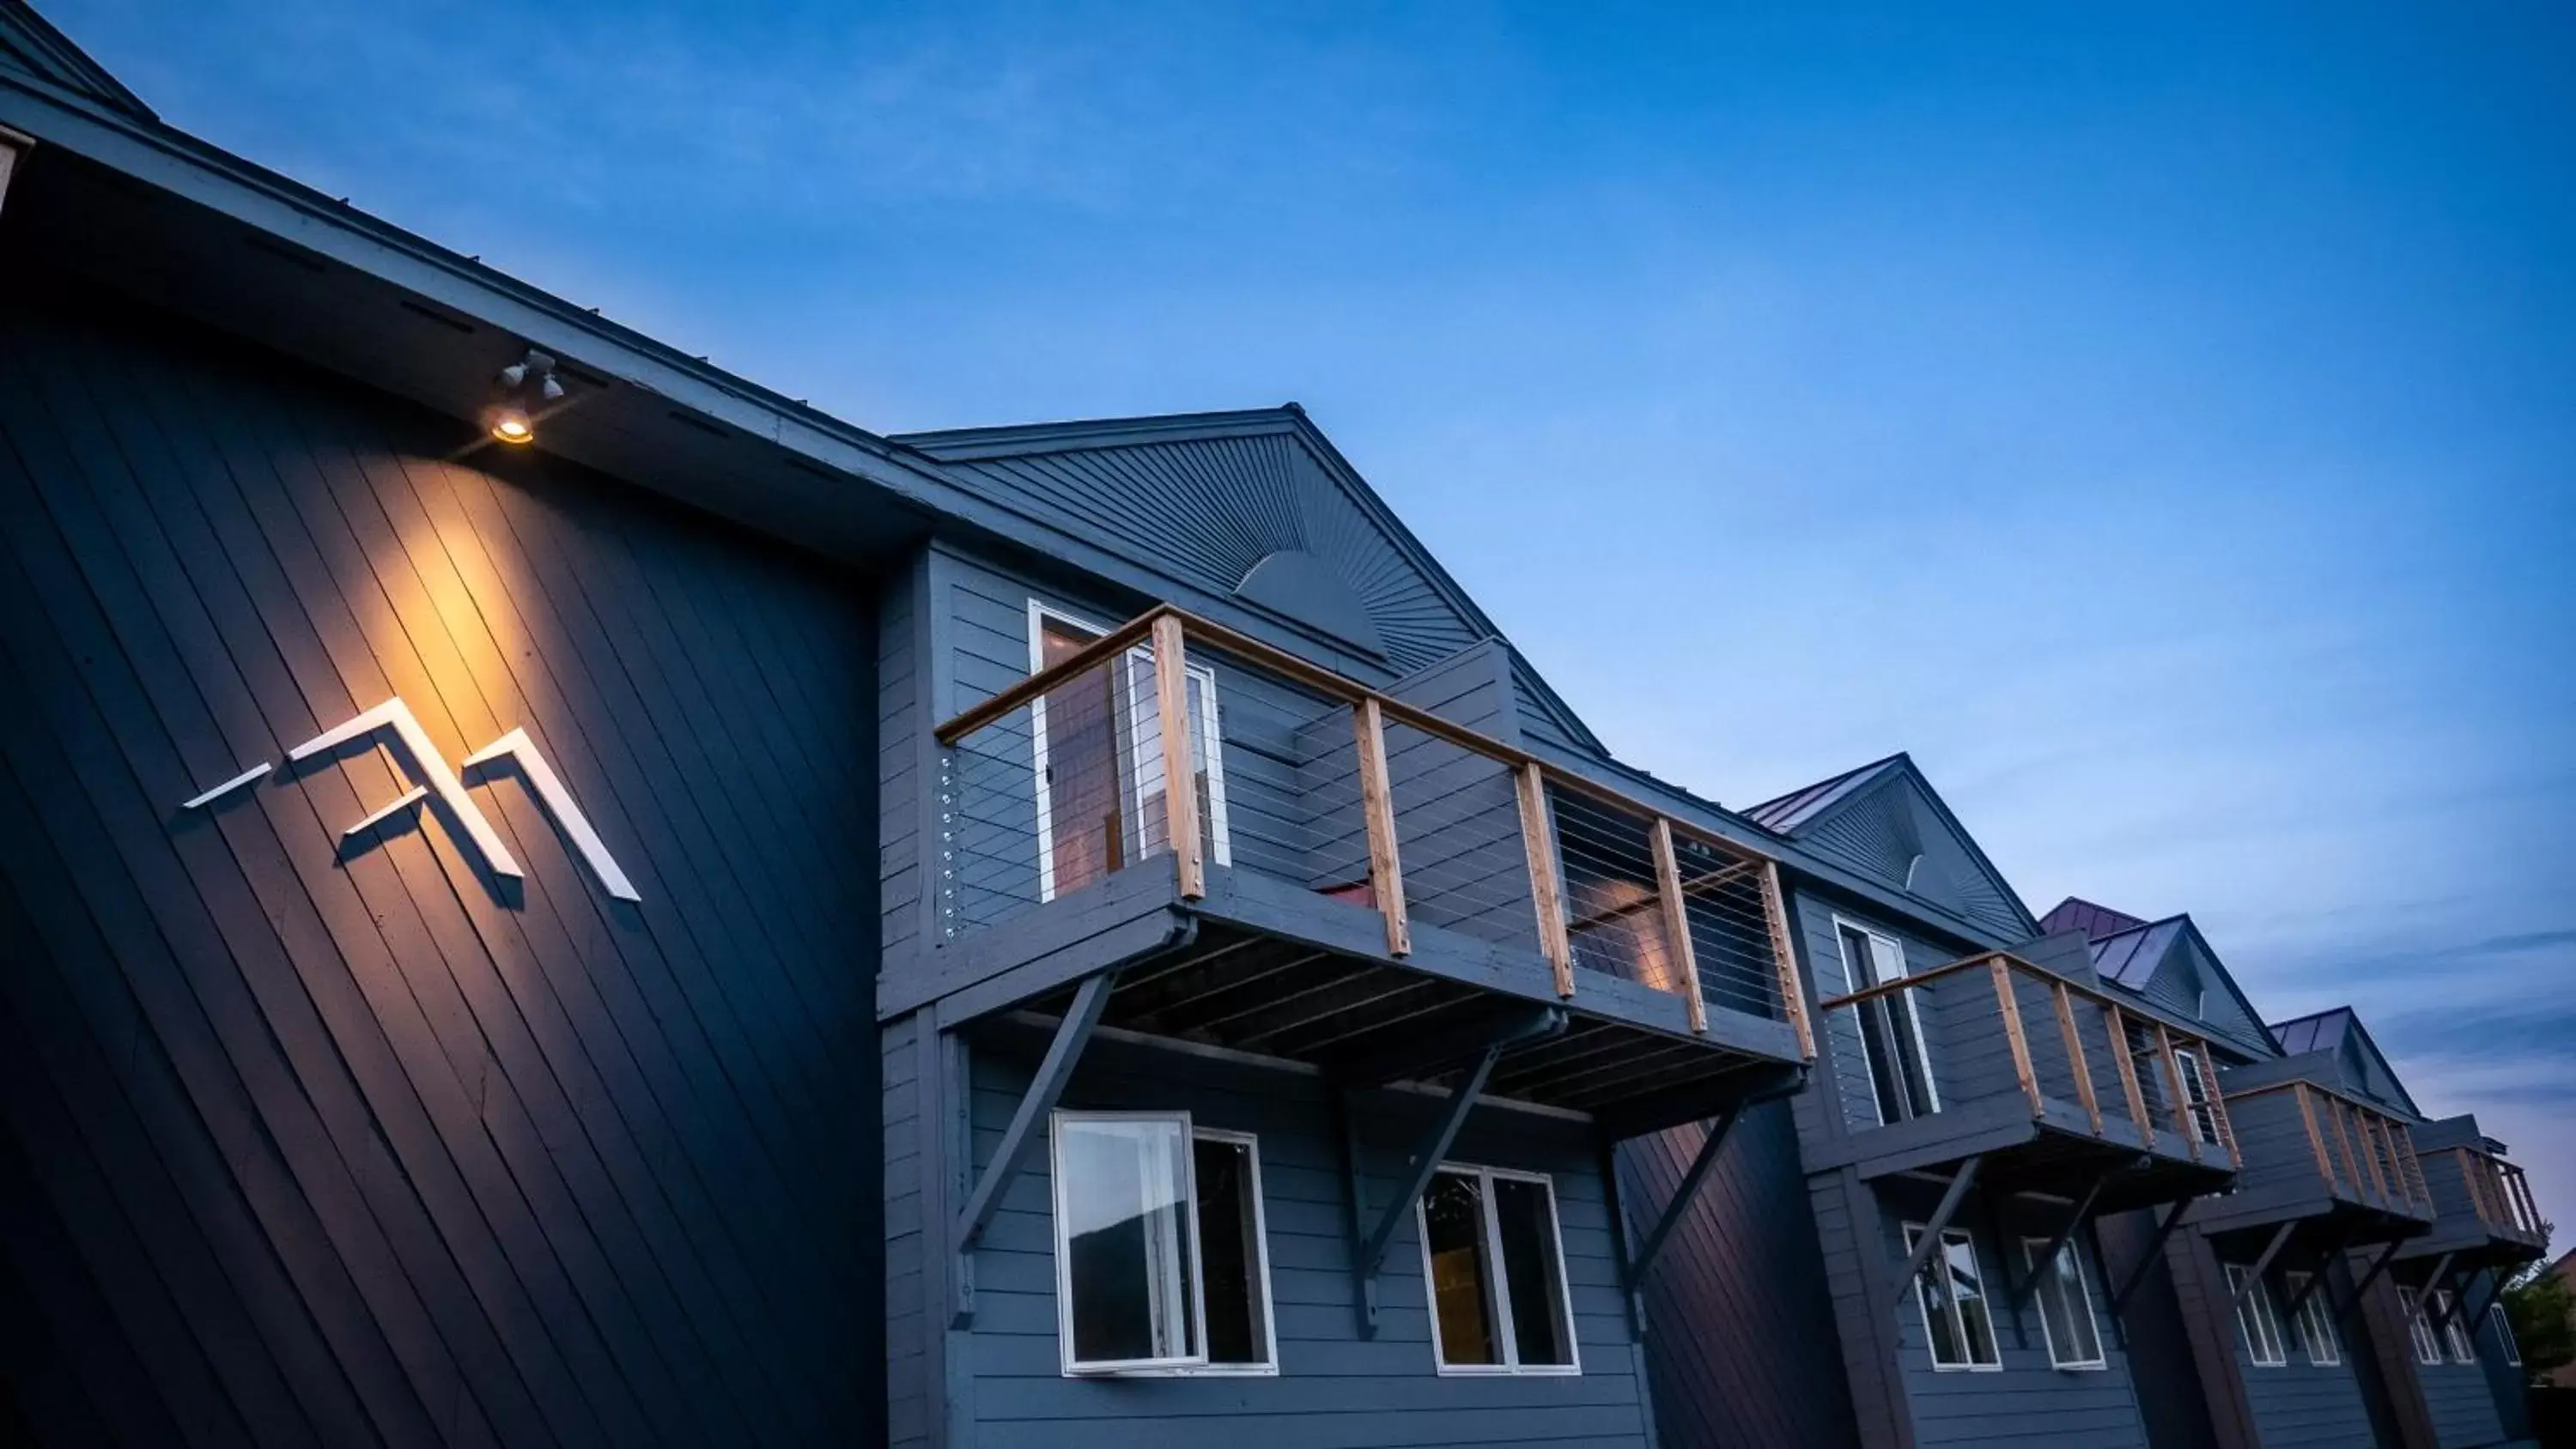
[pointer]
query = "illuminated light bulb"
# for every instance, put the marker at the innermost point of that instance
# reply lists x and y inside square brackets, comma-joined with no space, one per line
[510,425]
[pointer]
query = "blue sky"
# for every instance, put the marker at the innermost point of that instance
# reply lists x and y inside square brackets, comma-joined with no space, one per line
[2164,427]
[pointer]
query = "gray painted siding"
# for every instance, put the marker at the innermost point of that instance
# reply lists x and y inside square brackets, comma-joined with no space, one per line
[2297,1405]
[1334,1388]
[910,1399]
[2461,1403]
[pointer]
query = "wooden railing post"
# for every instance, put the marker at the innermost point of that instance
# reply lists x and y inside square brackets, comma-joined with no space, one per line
[1180,771]
[2075,1055]
[2372,1139]
[2118,1022]
[2217,1103]
[1668,880]
[2419,1193]
[2316,1141]
[1538,840]
[2010,1005]
[1793,1000]
[2183,1124]
[1377,808]
[2343,1119]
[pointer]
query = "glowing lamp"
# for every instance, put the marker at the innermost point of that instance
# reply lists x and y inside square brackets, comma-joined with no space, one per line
[510,425]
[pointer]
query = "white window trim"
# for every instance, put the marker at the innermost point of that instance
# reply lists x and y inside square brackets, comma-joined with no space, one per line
[2196,1098]
[2315,1326]
[1905,999]
[1505,1336]
[2504,1334]
[2250,1303]
[2031,1248]
[1198,1366]
[1909,1234]
[2455,1334]
[1202,681]
[2419,1329]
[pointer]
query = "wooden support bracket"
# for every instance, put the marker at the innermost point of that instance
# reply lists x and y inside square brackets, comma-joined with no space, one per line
[2317,1280]
[1697,1174]
[1368,1252]
[2147,1259]
[2263,1262]
[2056,1245]
[1028,1122]
[1951,1198]
[2378,1266]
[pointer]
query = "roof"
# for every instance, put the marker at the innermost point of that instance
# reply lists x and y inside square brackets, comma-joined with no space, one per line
[2096,921]
[2334,1029]
[1786,813]
[2321,1032]
[2130,957]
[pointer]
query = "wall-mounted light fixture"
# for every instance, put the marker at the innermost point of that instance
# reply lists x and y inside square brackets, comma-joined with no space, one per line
[509,418]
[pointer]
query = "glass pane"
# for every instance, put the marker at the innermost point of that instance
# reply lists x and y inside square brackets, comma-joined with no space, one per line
[1462,1290]
[1527,1219]
[1976,1327]
[2080,1342]
[1127,1257]
[1230,1253]
[1940,1314]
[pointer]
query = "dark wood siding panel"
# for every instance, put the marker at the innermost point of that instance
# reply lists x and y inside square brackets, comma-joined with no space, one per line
[534,1166]
[1334,1387]
[1740,1331]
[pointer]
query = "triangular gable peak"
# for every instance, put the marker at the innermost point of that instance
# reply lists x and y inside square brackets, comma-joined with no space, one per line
[30,46]
[1886,821]
[2365,1067]
[2170,964]
[2096,921]
[1256,508]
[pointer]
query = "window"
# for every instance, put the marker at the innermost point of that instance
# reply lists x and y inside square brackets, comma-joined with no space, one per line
[2419,1329]
[2454,1331]
[2196,1094]
[1952,1295]
[2504,1334]
[2065,1305]
[1495,1269]
[1161,1260]
[2315,1324]
[1892,1048]
[2255,1318]
[1099,763]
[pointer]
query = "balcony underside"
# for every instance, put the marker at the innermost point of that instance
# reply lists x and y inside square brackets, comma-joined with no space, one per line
[2325,1221]
[2057,1154]
[1260,967]
[2472,1245]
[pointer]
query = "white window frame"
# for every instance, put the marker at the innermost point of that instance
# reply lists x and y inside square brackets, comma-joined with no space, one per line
[2197,1099]
[2314,1324]
[1506,1337]
[2504,1334]
[1202,682]
[1269,1366]
[1905,999]
[2419,1329]
[2455,1334]
[2031,1248]
[1910,1235]
[2254,1311]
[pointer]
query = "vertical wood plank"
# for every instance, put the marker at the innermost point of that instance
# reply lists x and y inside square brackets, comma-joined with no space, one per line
[1775,914]
[1538,839]
[2218,1103]
[2316,1140]
[1180,772]
[2075,1055]
[2342,1114]
[2010,1005]
[2173,1082]
[2371,1149]
[1377,808]
[2137,1099]
[1668,880]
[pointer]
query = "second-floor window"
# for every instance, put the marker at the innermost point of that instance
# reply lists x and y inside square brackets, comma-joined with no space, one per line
[1893,1049]
[2197,1095]
[1099,759]
[2315,1324]
[2256,1319]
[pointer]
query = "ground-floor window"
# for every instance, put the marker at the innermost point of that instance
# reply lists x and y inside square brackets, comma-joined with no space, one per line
[1494,1265]
[2428,1350]
[1161,1263]
[2316,1325]
[2454,1332]
[2065,1304]
[1952,1295]
[2504,1334]
[2256,1319]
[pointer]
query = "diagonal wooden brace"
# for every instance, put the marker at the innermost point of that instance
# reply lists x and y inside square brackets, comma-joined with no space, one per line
[1028,1124]
[1682,1195]
[1369,1254]
[2263,1263]
[2056,1245]
[1956,1194]
[2150,1256]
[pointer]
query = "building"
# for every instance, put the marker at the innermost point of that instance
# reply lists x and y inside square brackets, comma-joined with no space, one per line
[562,897]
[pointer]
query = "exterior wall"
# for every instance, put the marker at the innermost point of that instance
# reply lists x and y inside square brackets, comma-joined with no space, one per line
[2297,1403]
[1740,1329]
[324,1142]
[1333,1387]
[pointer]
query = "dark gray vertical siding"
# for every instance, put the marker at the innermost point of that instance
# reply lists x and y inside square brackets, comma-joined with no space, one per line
[911,1397]
[2181,1395]
[349,1149]
[1741,1332]
[1333,1387]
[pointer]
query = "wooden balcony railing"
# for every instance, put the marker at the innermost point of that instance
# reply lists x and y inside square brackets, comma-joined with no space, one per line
[2361,1152]
[1171,735]
[2175,1092]
[2501,1195]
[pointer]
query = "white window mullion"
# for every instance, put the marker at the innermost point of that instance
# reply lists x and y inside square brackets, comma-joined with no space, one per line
[1507,1342]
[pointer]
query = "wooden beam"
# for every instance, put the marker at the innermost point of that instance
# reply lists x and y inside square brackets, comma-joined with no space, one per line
[2075,1055]
[2137,1099]
[1107,647]
[1028,1122]
[1377,811]
[2387,1256]
[2263,1264]
[2316,1142]
[2010,1004]
[2148,1259]
[2056,1245]
[1793,999]
[1180,770]
[1421,1057]
[1692,1178]
[2217,1106]
[1369,1254]
[1547,897]
[1951,1197]
[2325,1264]
[2181,1102]
[1668,880]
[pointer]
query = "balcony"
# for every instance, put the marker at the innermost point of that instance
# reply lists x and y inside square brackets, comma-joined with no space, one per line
[1274,859]
[2485,1214]
[2000,1070]
[2320,1161]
